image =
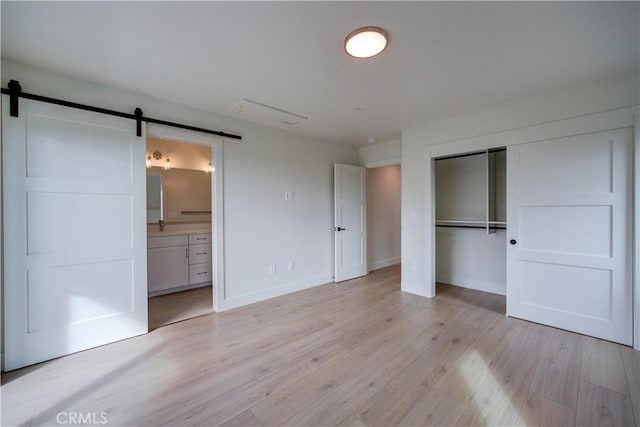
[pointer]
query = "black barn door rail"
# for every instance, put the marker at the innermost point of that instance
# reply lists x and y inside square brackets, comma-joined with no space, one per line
[14,90]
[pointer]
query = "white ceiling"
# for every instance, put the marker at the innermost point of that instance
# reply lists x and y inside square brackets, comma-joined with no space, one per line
[443,58]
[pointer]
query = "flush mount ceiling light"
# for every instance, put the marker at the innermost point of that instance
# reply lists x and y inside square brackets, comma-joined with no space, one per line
[365,42]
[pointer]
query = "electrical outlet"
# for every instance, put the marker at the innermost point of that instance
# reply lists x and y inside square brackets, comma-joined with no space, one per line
[272,269]
[291,266]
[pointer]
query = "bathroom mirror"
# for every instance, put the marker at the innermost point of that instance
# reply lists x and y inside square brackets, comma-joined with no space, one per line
[184,195]
[154,196]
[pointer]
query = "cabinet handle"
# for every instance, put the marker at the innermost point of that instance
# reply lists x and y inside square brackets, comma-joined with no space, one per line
[186,252]
[201,253]
[201,238]
[204,272]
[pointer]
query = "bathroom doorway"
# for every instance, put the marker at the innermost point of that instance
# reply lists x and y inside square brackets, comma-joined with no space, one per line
[180,237]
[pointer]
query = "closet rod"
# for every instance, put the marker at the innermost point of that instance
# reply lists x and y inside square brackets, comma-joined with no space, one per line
[15,91]
[475,153]
[467,222]
[455,221]
[479,227]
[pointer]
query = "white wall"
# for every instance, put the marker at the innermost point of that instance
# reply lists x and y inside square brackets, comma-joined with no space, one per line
[472,259]
[383,216]
[501,125]
[261,228]
[381,154]
[461,188]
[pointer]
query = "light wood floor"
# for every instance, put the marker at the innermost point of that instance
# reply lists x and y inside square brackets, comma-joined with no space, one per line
[179,306]
[360,353]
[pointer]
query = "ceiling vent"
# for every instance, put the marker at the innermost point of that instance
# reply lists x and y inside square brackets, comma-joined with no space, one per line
[259,112]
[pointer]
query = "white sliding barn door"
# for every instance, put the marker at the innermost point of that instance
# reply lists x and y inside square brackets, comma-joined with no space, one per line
[569,234]
[74,231]
[350,225]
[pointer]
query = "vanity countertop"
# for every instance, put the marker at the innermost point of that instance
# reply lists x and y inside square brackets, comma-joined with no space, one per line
[177,232]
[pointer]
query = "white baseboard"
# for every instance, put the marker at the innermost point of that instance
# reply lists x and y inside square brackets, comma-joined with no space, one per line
[276,291]
[383,263]
[415,288]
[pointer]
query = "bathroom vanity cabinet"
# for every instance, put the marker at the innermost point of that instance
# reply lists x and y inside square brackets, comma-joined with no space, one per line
[178,262]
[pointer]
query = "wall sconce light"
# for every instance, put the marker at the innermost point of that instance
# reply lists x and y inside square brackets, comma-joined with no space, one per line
[167,165]
[210,168]
[156,155]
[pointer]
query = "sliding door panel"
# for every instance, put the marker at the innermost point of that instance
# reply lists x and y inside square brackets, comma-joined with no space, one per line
[569,222]
[74,231]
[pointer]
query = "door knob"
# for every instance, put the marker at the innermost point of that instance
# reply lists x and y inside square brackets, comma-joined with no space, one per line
[513,241]
[340,229]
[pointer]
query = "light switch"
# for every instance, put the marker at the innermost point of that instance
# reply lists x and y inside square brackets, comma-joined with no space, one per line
[288,195]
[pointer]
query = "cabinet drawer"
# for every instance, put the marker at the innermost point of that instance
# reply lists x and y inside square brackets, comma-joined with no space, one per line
[199,254]
[195,239]
[166,241]
[199,273]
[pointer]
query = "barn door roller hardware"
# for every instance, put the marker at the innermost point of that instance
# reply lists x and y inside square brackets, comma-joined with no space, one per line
[14,90]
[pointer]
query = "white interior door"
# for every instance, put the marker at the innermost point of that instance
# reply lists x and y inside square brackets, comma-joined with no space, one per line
[350,225]
[569,232]
[74,231]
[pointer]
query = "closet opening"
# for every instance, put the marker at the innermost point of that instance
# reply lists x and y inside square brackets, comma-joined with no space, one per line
[180,242]
[471,222]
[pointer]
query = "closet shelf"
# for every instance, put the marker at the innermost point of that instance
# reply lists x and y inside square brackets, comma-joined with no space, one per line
[493,225]
[472,221]
[457,221]
[463,194]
